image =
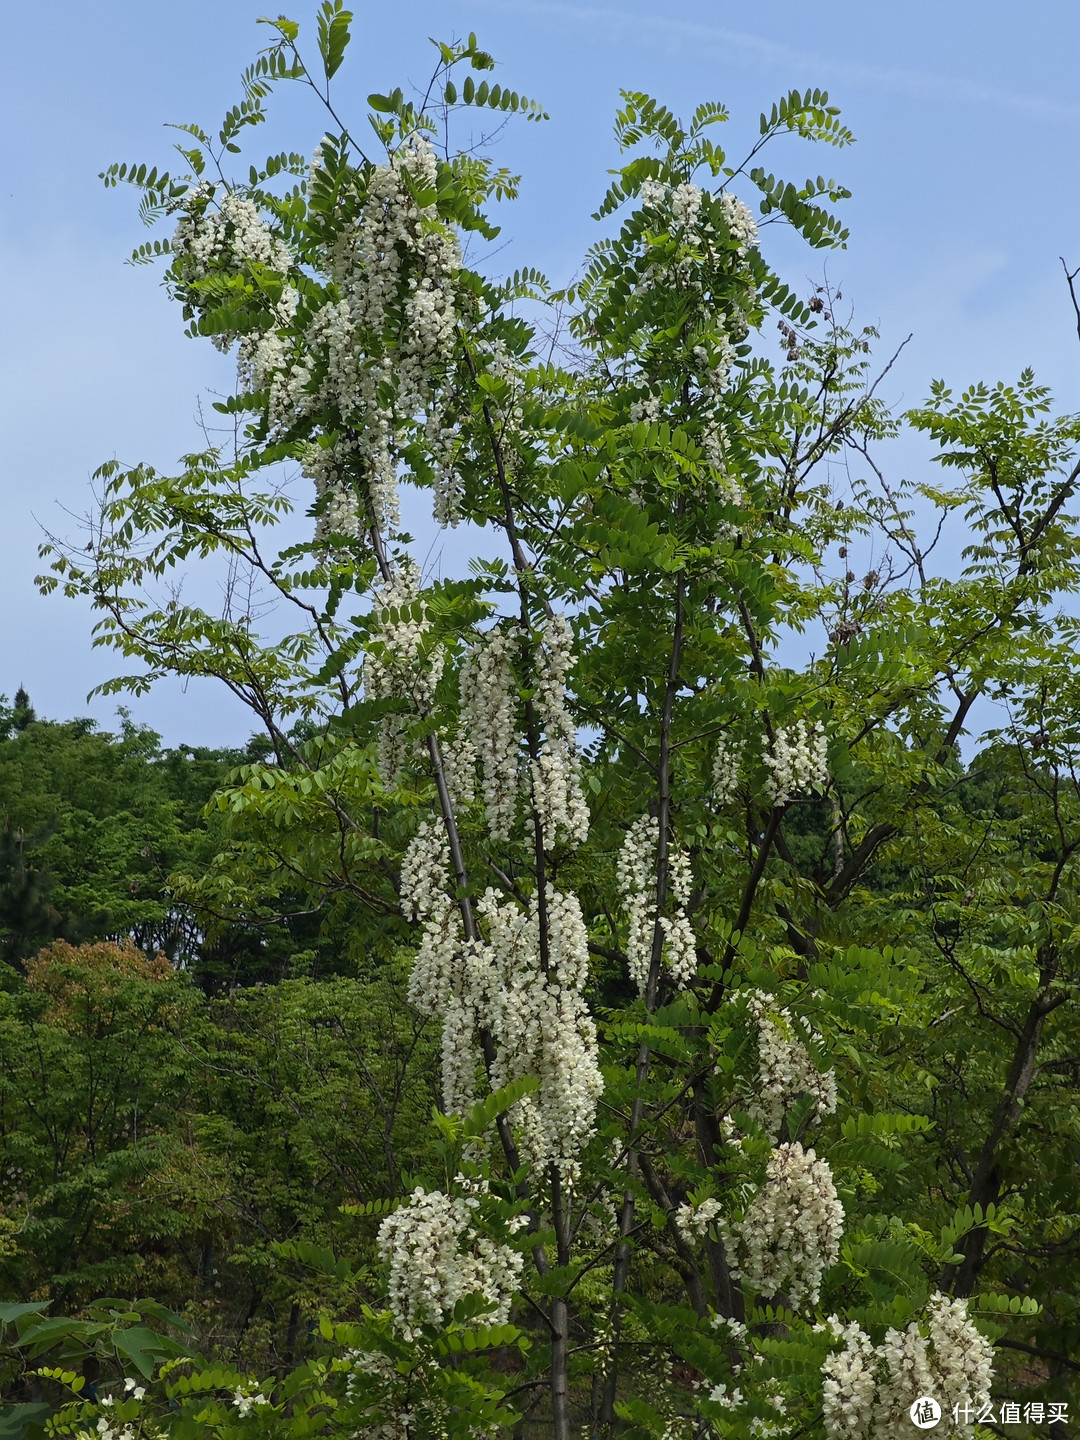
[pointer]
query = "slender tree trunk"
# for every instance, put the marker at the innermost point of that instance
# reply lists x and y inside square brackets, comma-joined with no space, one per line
[986,1180]
[626,1214]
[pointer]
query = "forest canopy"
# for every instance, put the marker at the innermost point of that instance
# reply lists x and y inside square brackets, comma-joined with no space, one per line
[632,987]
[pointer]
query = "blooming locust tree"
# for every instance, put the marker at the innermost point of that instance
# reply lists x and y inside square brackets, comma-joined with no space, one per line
[697,1178]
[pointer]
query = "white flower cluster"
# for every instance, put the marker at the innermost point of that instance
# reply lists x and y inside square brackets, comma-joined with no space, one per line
[723,322]
[459,766]
[797,761]
[556,773]
[742,227]
[850,1384]
[725,771]
[693,1221]
[489,695]
[537,1018]
[540,1022]
[245,1401]
[378,347]
[104,1431]
[680,947]
[403,671]
[233,235]
[635,875]
[506,411]
[425,879]
[437,1258]
[785,1070]
[868,1391]
[791,1232]
[685,202]
[386,340]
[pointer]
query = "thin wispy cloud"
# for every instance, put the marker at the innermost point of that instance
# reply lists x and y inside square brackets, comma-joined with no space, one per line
[649,30]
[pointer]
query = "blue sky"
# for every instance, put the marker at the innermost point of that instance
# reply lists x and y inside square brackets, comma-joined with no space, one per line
[964,196]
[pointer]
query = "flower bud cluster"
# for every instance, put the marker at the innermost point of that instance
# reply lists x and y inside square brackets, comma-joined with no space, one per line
[797,762]
[785,1070]
[868,1390]
[791,1232]
[489,696]
[556,772]
[437,1258]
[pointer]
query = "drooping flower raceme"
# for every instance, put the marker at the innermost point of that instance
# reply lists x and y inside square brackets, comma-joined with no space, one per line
[868,1390]
[405,668]
[739,219]
[384,343]
[540,1022]
[954,1363]
[556,773]
[680,947]
[725,771]
[785,1070]
[791,1232]
[797,761]
[425,879]
[636,878]
[231,236]
[437,1258]
[693,1221]
[850,1384]
[489,691]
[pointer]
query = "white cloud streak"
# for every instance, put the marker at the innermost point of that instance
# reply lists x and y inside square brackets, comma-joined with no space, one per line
[675,34]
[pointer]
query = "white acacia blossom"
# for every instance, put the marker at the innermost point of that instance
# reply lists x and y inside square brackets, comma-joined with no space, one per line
[868,1390]
[556,772]
[437,1258]
[375,350]
[791,1232]
[685,202]
[850,1384]
[232,235]
[489,693]
[384,342]
[785,1070]
[406,669]
[425,879]
[540,1022]
[725,771]
[797,761]
[693,1221]
[636,878]
[739,219]
[680,947]
[530,1002]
